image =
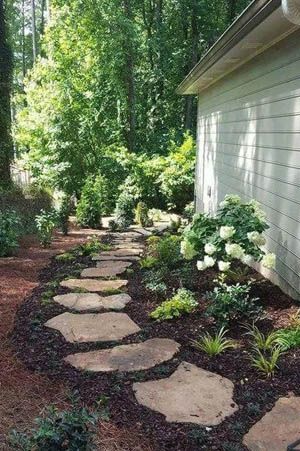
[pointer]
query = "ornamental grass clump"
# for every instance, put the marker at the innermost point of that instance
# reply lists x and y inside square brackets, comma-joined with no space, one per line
[214,344]
[182,302]
[234,233]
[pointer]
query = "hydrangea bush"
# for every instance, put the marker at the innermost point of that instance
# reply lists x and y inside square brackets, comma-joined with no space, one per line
[234,233]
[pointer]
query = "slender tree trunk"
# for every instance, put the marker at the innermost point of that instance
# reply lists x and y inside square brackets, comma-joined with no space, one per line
[23,41]
[33,25]
[6,145]
[129,80]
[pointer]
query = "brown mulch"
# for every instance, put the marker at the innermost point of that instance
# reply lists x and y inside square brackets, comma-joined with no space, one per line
[23,393]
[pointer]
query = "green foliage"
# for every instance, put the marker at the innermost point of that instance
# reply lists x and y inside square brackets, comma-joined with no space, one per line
[113,225]
[165,250]
[234,233]
[232,303]
[189,211]
[92,246]
[142,215]
[64,213]
[125,210]
[148,262]
[89,208]
[66,257]
[156,287]
[267,363]
[261,341]
[214,344]
[182,302]
[288,338]
[45,223]
[9,232]
[67,430]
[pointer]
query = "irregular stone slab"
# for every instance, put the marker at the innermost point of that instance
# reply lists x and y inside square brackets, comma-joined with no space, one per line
[114,264]
[127,246]
[108,271]
[122,253]
[91,327]
[94,285]
[92,301]
[277,429]
[143,231]
[189,395]
[103,258]
[133,357]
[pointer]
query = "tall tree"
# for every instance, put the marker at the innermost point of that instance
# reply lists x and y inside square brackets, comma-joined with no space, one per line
[6,145]
[33,30]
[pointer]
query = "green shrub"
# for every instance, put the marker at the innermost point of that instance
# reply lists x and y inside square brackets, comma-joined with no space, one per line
[148,262]
[214,344]
[89,207]
[166,250]
[181,303]
[45,223]
[64,213]
[9,232]
[68,430]
[235,233]
[232,303]
[142,215]
[189,211]
[124,210]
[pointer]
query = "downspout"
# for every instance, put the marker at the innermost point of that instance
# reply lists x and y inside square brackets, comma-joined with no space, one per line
[291,10]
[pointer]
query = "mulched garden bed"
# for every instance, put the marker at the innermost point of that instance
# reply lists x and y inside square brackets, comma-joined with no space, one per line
[43,350]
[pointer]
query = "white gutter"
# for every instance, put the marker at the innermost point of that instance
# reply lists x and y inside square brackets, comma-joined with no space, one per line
[291,10]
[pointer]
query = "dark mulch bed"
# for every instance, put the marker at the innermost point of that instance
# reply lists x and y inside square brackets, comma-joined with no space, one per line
[43,350]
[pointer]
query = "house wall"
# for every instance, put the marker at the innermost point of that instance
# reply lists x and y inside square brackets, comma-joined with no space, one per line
[249,144]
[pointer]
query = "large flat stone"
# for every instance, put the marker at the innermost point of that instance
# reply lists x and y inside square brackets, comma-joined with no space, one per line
[92,327]
[277,429]
[92,301]
[189,395]
[122,253]
[107,271]
[114,264]
[126,246]
[94,285]
[133,357]
[103,258]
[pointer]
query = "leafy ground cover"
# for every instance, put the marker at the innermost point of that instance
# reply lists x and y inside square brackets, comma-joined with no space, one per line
[42,350]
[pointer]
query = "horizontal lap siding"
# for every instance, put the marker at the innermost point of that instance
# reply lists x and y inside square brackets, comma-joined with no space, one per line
[249,143]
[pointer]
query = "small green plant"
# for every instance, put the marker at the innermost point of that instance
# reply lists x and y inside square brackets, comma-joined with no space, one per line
[214,344]
[67,430]
[261,341]
[148,262]
[64,213]
[45,223]
[65,257]
[267,363]
[9,232]
[111,291]
[156,287]
[89,207]
[166,250]
[181,303]
[92,246]
[232,303]
[113,225]
[288,338]
[142,215]
[189,211]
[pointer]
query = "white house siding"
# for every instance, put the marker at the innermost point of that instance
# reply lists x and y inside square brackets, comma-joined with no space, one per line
[249,144]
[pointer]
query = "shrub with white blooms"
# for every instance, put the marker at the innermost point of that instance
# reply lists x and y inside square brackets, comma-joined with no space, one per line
[234,233]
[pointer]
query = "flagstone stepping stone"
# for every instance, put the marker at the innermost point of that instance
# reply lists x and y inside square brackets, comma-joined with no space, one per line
[277,429]
[92,301]
[127,246]
[107,271]
[103,258]
[133,357]
[92,327]
[189,395]
[143,231]
[114,264]
[122,252]
[94,285]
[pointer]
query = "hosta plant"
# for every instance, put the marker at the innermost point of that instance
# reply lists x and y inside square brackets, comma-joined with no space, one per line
[214,344]
[234,233]
[181,303]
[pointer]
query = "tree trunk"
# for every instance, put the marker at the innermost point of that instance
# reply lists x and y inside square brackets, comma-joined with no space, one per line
[23,41]
[129,81]
[33,25]
[6,145]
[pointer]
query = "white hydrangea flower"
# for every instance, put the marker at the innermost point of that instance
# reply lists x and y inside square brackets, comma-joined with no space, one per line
[234,250]
[247,259]
[210,248]
[256,238]
[223,266]
[258,212]
[269,260]
[187,250]
[230,199]
[226,232]
[209,261]
[201,265]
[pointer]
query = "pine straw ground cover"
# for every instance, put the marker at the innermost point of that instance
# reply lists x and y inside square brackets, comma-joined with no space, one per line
[42,350]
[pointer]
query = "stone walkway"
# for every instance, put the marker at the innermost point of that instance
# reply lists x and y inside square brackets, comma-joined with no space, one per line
[191,394]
